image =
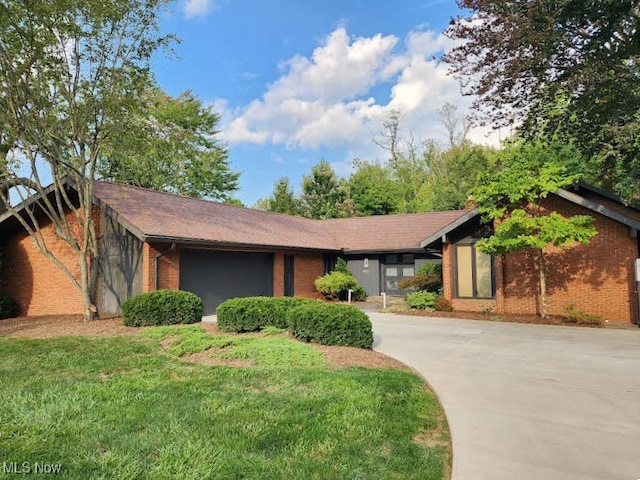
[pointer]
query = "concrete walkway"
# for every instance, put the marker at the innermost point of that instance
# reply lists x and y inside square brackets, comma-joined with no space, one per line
[528,402]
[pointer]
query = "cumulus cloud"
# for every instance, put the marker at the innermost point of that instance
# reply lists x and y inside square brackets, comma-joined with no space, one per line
[328,99]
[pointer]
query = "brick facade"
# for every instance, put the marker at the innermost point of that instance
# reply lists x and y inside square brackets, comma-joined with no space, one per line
[38,285]
[168,267]
[306,268]
[597,278]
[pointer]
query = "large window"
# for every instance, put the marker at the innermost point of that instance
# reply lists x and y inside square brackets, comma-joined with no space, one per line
[474,273]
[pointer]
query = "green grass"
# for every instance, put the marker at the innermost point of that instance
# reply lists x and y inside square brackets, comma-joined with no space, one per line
[122,407]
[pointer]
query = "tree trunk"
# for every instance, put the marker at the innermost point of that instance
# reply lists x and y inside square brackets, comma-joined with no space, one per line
[543,285]
[88,291]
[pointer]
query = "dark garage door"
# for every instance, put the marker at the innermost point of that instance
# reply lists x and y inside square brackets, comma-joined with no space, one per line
[218,276]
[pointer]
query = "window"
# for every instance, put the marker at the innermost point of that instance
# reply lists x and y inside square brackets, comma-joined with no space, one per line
[474,273]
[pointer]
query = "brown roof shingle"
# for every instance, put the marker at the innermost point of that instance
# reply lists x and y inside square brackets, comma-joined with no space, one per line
[161,216]
[389,232]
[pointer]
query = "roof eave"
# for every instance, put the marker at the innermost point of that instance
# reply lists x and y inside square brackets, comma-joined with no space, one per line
[598,208]
[377,251]
[226,244]
[441,234]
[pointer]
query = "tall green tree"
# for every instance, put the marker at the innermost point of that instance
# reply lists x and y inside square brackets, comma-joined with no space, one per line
[171,145]
[373,189]
[452,174]
[407,159]
[514,200]
[567,67]
[283,199]
[72,73]
[325,195]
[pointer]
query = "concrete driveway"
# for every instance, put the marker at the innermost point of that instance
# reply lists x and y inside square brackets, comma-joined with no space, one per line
[528,401]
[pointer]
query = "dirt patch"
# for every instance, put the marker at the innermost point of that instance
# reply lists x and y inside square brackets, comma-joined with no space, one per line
[74,325]
[63,326]
[343,357]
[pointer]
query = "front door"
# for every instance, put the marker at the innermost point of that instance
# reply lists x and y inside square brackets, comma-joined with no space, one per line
[393,275]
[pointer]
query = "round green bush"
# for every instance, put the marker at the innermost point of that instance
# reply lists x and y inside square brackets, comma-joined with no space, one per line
[250,314]
[331,324]
[335,286]
[421,300]
[162,307]
[8,307]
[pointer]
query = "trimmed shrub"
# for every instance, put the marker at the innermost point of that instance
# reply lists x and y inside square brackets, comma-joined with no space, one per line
[330,324]
[162,307]
[250,314]
[8,307]
[421,300]
[428,278]
[421,283]
[441,304]
[306,319]
[335,286]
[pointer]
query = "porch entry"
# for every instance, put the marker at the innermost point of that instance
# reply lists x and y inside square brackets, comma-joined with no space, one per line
[395,269]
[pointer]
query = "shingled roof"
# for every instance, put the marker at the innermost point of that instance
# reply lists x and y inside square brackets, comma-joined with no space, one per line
[157,216]
[387,233]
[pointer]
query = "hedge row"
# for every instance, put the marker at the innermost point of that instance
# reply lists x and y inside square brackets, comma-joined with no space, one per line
[307,320]
[331,324]
[162,307]
[251,314]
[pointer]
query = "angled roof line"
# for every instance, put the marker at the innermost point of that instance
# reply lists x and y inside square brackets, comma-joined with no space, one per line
[31,199]
[452,226]
[598,208]
[599,191]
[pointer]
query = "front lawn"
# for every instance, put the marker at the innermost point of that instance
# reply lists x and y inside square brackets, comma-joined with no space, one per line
[264,408]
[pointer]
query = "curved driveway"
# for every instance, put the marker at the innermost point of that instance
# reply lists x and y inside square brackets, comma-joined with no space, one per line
[528,401]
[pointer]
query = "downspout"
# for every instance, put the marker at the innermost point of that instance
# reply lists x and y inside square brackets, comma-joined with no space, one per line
[157,263]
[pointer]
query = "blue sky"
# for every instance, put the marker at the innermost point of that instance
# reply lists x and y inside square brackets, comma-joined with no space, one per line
[297,81]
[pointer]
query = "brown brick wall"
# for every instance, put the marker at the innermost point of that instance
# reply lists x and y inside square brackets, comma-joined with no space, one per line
[38,285]
[597,278]
[307,267]
[278,274]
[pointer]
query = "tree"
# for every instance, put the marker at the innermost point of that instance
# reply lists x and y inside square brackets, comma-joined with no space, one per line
[72,72]
[171,145]
[373,190]
[407,160]
[567,68]
[283,200]
[457,126]
[512,199]
[452,173]
[324,195]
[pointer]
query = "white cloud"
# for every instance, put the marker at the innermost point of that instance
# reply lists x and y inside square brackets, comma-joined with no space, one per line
[197,8]
[327,99]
